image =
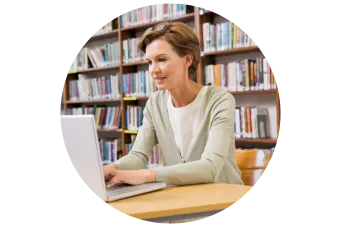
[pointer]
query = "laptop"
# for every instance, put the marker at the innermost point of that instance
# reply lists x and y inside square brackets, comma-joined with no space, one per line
[81,141]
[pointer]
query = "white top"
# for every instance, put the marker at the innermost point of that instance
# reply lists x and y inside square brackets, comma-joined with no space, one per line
[185,121]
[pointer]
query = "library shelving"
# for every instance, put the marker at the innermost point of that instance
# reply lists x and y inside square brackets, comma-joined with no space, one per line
[106,75]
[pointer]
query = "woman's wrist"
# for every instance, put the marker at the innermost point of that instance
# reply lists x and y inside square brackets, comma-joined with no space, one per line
[114,167]
[149,175]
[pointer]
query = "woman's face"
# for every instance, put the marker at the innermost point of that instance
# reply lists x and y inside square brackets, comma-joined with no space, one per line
[166,67]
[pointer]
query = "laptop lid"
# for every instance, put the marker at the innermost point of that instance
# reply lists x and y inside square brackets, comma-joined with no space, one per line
[81,141]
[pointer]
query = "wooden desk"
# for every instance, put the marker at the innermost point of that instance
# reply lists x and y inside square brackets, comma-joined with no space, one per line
[175,203]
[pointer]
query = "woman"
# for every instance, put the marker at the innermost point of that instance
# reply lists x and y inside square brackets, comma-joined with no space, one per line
[193,124]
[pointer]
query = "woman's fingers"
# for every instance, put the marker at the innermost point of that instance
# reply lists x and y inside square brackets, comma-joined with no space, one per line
[111,182]
[114,178]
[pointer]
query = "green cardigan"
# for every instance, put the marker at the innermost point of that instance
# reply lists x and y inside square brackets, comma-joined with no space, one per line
[211,154]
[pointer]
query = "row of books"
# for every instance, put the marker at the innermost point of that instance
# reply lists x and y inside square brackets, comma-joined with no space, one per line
[128,146]
[99,88]
[155,157]
[131,52]
[246,75]
[138,84]
[134,117]
[101,56]
[81,61]
[110,150]
[224,36]
[108,118]
[109,27]
[154,13]
[251,122]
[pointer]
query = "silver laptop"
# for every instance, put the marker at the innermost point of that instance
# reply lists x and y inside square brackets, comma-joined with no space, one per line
[81,141]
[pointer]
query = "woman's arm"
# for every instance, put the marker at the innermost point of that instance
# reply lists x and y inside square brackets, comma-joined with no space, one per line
[208,168]
[146,139]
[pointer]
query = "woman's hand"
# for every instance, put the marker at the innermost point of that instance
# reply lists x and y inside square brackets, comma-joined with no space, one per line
[107,170]
[134,177]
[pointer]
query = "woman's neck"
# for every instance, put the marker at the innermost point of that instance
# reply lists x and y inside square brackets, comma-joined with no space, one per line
[184,95]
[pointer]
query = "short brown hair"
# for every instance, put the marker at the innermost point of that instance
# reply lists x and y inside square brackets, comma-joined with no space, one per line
[180,36]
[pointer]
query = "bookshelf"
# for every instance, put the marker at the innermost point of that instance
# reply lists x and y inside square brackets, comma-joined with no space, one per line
[125,62]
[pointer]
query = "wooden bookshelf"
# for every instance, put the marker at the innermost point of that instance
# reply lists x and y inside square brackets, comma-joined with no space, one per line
[233,51]
[267,141]
[93,38]
[109,130]
[252,92]
[92,101]
[94,69]
[135,98]
[209,57]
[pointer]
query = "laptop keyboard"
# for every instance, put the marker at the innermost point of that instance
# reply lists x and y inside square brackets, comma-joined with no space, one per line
[117,187]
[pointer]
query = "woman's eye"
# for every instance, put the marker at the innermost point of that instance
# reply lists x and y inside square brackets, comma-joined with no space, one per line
[160,60]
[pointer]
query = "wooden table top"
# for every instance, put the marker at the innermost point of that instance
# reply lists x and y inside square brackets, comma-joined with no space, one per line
[181,200]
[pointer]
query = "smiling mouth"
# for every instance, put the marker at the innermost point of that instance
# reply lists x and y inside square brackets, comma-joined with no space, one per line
[159,79]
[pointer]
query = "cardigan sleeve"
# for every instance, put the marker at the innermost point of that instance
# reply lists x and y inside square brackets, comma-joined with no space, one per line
[215,152]
[146,139]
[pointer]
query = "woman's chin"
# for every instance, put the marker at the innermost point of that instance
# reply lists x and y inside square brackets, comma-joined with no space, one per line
[161,86]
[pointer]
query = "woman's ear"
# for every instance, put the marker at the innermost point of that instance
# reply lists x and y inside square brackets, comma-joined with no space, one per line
[188,60]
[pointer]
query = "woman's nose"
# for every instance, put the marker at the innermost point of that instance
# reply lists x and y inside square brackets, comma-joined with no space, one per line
[154,69]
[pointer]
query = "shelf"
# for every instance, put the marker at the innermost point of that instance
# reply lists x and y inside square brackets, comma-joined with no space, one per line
[109,130]
[135,98]
[130,131]
[145,98]
[244,140]
[92,101]
[104,35]
[94,69]
[222,52]
[233,51]
[252,92]
[184,18]
[248,140]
